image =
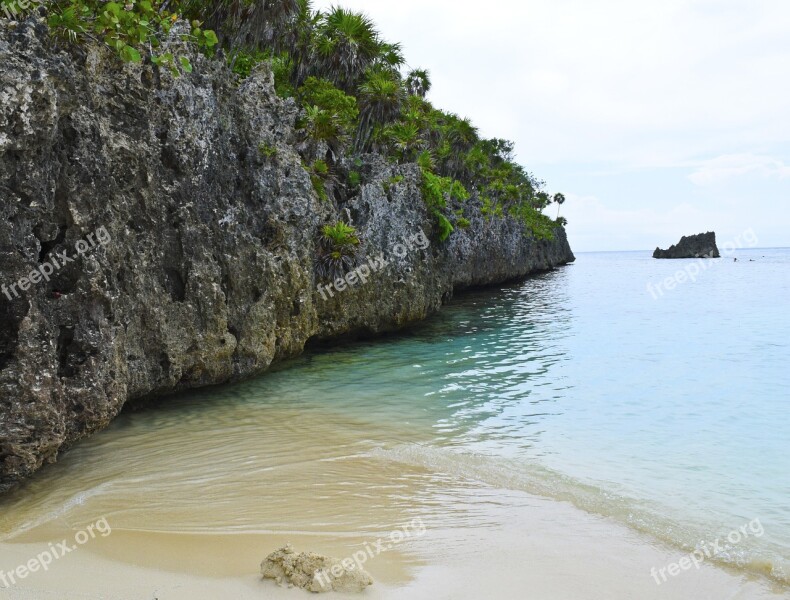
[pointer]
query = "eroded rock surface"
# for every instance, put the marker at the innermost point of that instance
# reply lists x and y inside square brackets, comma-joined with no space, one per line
[314,572]
[209,275]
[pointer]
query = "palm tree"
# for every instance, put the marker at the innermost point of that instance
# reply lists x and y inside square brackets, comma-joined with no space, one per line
[460,136]
[560,200]
[255,24]
[418,82]
[296,39]
[347,44]
[404,139]
[380,99]
[390,55]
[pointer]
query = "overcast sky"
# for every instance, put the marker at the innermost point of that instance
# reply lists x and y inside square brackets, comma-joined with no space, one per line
[656,119]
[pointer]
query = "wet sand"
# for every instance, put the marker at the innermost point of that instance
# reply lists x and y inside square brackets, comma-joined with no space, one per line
[523,546]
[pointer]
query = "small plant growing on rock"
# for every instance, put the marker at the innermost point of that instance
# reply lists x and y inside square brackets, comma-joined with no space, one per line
[338,250]
[354,179]
[445,227]
[320,176]
[437,192]
[243,62]
[392,181]
[267,151]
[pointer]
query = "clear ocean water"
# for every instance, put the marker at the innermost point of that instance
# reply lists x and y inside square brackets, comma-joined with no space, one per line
[668,414]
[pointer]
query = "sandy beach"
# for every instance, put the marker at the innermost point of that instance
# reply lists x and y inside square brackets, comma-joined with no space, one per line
[524,546]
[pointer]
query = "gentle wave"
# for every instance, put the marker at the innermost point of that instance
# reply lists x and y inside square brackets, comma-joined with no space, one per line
[10,530]
[534,479]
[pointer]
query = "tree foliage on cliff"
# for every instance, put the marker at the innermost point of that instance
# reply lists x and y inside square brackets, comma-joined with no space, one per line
[348,82]
[338,250]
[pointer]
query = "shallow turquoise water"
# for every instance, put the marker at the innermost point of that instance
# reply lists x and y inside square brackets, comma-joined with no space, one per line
[668,414]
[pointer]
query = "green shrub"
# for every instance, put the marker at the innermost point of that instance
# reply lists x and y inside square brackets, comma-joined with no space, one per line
[425,161]
[244,62]
[354,179]
[338,250]
[322,125]
[437,192]
[128,29]
[320,175]
[320,188]
[535,222]
[330,114]
[267,151]
[324,95]
[321,168]
[445,227]
[341,234]
[392,181]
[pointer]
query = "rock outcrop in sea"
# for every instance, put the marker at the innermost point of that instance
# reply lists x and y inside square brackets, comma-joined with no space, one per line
[702,245]
[148,245]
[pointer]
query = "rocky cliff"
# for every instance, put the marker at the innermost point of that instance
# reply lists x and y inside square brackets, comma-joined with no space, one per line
[148,245]
[702,245]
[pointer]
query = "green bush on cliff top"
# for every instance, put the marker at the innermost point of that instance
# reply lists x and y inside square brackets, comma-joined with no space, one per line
[347,79]
[130,29]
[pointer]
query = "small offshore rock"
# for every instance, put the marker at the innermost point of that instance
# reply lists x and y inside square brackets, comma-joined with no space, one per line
[702,245]
[313,572]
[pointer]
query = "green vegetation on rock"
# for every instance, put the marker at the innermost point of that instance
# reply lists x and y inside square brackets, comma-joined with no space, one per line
[347,80]
[338,250]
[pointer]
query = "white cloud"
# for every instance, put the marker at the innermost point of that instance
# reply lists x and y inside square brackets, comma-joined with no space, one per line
[614,78]
[632,228]
[629,101]
[724,168]
[645,227]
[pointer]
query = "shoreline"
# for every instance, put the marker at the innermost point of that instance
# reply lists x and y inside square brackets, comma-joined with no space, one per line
[326,463]
[521,542]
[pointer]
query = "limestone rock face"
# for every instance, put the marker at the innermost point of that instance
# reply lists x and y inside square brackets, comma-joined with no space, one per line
[314,572]
[203,227]
[702,245]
